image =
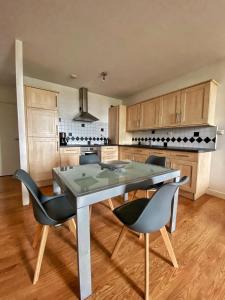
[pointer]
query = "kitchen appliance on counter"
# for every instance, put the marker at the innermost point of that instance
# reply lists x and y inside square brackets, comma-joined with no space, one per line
[62,139]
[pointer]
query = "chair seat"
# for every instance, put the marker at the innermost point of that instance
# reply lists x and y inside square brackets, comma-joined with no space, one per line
[58,208]
[128,213]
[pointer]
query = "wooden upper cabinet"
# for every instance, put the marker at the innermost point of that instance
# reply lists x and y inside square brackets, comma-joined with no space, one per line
[191,106]
[170,109]
[198,104]
[114,124]
[133,117]
[150,114]
[41,98]
[42,123]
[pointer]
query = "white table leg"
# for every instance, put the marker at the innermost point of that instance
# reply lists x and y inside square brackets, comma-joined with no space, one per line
[83,252]
[173,219]
[56,188]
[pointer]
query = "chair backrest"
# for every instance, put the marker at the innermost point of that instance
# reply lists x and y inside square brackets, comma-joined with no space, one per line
[157,213]
[89,159]
[39,212]
[156,160]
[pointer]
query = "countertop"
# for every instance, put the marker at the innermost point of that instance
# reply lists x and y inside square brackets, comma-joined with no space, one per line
[187,149]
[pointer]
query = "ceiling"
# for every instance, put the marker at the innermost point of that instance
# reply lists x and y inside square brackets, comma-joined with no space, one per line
[139,43]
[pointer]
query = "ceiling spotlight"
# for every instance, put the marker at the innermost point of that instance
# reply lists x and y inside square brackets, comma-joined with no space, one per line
[103,75]
[73,76]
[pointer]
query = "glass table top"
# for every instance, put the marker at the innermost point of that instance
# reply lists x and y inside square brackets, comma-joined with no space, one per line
[84,179]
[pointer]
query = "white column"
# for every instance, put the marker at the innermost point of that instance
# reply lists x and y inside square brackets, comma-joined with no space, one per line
[21,114]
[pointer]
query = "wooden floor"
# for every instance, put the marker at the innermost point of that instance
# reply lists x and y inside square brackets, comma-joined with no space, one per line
[199,243]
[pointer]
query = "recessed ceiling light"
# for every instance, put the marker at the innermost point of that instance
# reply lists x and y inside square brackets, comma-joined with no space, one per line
[73,76]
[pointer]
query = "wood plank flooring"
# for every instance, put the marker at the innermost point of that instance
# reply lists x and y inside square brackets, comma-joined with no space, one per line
[199,244]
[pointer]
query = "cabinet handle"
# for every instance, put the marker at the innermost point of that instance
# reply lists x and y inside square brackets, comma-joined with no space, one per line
[57,128]
[57,146]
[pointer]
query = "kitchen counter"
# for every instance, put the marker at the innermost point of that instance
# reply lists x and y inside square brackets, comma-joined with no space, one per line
[85,145]
[186,149]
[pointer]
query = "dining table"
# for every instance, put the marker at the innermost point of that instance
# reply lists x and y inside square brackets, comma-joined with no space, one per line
[86,185]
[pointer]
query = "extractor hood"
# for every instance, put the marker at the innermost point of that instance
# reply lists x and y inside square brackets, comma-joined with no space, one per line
[84,115]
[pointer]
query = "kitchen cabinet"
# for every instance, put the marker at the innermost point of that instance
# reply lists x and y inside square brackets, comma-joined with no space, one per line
[192,164]
[170,110]
[133,117]
[43,157]
[40,98]
[117,125]
[109,153]
[42,134]
[187,168]
[150,114]
[190,106]
[42,123]
[69,156]
[198,104]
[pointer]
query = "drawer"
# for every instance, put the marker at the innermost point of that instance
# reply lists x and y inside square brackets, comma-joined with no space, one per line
[187,156]
[109,148]
[113,156]
[70,150]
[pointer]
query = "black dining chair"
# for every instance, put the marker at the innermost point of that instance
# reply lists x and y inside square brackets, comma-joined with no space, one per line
[93,159]
[146,216]
[49,211]
[153,160]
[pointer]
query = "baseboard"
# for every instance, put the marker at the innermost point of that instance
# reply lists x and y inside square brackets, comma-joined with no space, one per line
[216,193]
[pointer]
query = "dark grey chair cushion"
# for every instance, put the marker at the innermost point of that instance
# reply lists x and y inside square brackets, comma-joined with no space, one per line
[48,210]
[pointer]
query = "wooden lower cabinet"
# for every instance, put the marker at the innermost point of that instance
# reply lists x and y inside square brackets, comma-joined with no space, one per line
[43,157]
[109,153]
[187,168]
[69,156]
[192,164]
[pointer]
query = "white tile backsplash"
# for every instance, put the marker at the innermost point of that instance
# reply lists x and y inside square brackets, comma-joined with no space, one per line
[192,137]
[82,132]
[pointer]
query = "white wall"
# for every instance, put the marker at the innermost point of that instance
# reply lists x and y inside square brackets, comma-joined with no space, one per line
[217,72]
[69,100]
[9,150]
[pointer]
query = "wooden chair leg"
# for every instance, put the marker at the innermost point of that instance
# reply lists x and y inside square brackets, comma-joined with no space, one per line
[133,196]
[37,235]
[169,247]
[41,252]
[147,266]
[72,226]
[111,204]
[141,236]
[119,241]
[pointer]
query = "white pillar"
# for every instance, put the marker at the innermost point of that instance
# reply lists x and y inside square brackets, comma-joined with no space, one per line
[21,112]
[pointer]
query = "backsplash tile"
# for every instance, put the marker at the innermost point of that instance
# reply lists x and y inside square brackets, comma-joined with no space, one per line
[194,137]
[81,133]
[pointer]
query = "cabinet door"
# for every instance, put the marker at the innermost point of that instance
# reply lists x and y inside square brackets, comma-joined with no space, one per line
[150,114]
[42,123]
[189,169]
[69,159]
[195,105]
[133,117]
[170,109]
[41,98]
[140,157]
[43,157]
[114,124]
[126,154]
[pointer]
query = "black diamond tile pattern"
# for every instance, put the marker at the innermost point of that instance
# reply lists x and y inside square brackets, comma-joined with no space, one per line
[199,139]
[192,139]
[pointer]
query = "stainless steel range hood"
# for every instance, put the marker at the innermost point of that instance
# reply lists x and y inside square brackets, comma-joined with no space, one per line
[84,115]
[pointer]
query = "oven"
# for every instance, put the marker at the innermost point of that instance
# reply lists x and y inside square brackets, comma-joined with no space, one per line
[91,150]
